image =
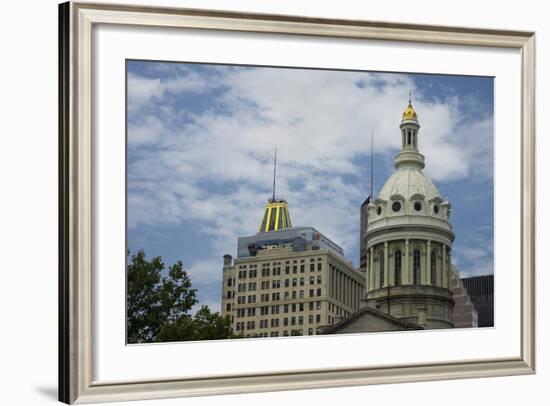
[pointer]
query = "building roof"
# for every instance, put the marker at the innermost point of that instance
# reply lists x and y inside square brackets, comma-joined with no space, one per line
[299,238]
[407,182]
[409,113]
[276,216]
[369,311]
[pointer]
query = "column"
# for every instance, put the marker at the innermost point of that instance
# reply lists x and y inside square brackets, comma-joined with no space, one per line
[444,271]
[405,270]
[371,270]
[348,286]
[331,282]
[386,267]
[428,273]
[450,271]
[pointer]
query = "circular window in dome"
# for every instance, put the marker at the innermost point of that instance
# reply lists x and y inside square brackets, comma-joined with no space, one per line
[417,206]
[379,210]
[396,206]
[436,209]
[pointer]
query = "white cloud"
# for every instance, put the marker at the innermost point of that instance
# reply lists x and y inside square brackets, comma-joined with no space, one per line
[320,122]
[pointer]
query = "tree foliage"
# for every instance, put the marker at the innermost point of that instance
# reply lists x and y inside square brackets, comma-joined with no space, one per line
[159,308]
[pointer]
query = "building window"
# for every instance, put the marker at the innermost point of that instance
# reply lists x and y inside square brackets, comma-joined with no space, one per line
[310,331]
[379,210]
[416,267]
[319,292]
[381,269]
[417,206]
[396,206]
[318,305]
[301,307]
[293,307]
[311,267]
[318,318]
[287,283]
[302,281]
[285,321]
[311,292]
[302,268]
[319,279]
[433,266]
[301,320]
[311,280]
[397,267]
[228,307]
[436,209]
[319,266]
[311,305]
[310,319]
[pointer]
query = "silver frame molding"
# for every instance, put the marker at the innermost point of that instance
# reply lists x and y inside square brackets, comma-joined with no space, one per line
[76,21]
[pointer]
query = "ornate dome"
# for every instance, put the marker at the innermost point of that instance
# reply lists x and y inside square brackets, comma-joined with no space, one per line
[409,196]
[408,182]
[409,113]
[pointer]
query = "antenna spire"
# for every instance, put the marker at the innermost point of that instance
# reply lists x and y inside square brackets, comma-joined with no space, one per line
[371,163]
[274,173]
[410,96]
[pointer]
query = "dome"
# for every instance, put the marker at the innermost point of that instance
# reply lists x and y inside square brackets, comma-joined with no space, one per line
[408,182]
[409,113]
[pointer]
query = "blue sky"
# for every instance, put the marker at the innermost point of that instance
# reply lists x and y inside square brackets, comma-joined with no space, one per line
[200,154]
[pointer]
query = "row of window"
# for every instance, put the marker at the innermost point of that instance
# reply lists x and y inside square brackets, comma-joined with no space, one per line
[416,267]
[276,284]
[271,323]
[267,264]
[265,297]
[275,309]
[243,274]
[286,333]
[396,207]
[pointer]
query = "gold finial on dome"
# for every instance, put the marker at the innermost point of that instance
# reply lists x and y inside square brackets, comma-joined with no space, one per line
[409,113]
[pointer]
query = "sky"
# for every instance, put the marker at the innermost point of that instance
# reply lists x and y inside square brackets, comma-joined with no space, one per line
[201,140]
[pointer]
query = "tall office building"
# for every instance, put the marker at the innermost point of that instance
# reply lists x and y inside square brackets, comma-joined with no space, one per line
[288,280]
[363,227]
[480,289]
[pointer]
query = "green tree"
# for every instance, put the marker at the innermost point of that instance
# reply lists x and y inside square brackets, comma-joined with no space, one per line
[159,308]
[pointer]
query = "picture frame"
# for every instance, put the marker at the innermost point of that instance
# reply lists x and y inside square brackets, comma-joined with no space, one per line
[76,215]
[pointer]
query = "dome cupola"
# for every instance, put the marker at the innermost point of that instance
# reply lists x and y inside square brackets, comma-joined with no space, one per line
[409,193]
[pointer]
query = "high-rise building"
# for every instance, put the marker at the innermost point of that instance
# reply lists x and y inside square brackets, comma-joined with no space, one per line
[288,280]
[363,227]
[480,289]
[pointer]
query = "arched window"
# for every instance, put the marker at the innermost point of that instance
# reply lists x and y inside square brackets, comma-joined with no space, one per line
[416,267]
[397,267]
[381,269]
[433,266]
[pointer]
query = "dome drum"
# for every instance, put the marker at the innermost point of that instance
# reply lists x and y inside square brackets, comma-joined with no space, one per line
[427,305]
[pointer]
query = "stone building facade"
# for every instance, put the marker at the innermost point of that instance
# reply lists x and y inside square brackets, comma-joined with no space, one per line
[288,282]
